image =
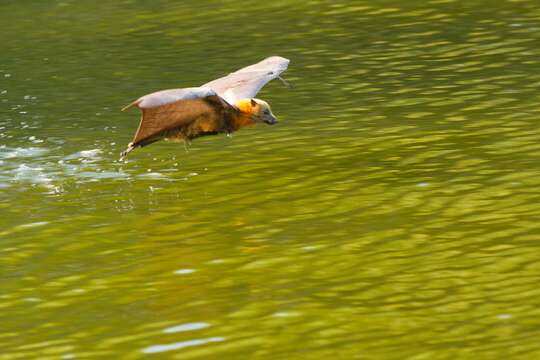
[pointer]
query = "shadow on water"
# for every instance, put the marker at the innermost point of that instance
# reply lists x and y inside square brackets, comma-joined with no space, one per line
[392,213]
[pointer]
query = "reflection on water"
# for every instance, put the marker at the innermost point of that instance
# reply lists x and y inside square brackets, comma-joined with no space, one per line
[180,345]
[392,213]
[186,327]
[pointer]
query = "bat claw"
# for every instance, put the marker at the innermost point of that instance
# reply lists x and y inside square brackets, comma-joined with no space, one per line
[285,82]
[124,154]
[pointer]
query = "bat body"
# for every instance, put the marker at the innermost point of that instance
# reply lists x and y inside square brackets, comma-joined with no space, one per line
[223,105]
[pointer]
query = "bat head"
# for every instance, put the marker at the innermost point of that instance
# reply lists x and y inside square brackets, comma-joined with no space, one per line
[259,110]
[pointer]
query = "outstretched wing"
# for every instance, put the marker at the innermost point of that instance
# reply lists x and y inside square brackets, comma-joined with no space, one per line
[248,81]
[167,110]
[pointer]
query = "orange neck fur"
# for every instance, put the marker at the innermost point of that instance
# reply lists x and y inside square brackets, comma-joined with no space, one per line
[244,117]
[244,106]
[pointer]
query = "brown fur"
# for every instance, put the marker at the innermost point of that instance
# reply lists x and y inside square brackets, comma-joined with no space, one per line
[189,119]
[185,120]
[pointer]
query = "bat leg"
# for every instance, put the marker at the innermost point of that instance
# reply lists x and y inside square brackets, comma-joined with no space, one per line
[285,82]
[129,149]
[187,145]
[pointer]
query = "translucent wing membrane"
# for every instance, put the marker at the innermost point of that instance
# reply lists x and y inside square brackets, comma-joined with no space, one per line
[248,81]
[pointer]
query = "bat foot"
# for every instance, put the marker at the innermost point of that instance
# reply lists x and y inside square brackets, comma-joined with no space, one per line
[125,153]
[285,82]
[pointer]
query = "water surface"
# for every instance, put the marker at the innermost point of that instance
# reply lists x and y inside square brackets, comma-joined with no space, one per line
[393,213]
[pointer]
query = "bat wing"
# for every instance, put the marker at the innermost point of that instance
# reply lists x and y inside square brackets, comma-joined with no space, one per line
[169,110]
[248,81]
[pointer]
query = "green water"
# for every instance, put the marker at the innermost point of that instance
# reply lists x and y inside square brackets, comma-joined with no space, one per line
[393,213]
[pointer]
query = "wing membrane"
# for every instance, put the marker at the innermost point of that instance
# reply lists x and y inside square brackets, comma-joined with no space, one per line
[248,81]
[165,111]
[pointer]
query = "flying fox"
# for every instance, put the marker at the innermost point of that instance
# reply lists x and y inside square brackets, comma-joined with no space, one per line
[223,105]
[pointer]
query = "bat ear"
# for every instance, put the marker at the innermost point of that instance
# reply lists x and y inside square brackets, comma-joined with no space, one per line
[253,103]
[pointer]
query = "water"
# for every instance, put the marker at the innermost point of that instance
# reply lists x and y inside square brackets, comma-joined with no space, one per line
[393,213]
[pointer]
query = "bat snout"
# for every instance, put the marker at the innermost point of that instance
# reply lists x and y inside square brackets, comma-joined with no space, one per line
[271,120]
